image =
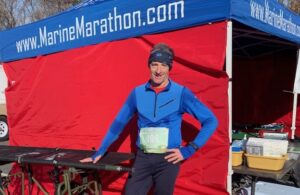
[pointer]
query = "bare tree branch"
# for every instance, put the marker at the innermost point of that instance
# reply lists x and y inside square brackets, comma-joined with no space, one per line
[18,12]
[293,5]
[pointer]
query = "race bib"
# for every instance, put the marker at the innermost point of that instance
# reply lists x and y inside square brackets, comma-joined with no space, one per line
[154,139]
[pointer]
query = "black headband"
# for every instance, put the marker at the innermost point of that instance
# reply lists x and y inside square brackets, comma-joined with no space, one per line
[162,57]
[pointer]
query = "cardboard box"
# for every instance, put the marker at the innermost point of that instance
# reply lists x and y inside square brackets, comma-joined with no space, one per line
[266,147]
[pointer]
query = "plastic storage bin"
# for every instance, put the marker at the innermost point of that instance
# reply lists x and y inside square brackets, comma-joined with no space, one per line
[265,188]
[266,147]
[265,162]
[237,158]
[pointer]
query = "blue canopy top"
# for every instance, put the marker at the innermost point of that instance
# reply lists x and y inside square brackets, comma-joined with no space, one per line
[96,21]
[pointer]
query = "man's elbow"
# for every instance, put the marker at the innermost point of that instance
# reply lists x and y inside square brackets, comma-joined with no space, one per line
[212,123]
[215,122]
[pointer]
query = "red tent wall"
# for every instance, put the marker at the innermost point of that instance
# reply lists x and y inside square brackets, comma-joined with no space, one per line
[69,99]
[259,87]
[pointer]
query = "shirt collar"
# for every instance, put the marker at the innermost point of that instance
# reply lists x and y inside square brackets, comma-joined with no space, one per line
[148,86]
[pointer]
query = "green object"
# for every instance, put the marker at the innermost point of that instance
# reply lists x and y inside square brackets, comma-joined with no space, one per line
[238,135]
[294,149]
[241,135]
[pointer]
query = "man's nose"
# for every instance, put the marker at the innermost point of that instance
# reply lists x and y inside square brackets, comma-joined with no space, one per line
[158,69]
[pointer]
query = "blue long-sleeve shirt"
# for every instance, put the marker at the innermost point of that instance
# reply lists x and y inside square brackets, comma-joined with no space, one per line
[164,109]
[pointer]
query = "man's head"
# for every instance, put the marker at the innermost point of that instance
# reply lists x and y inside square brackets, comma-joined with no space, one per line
[162,53]
[160,63]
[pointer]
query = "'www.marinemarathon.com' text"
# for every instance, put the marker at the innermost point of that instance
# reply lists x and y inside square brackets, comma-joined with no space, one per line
[275,18]
[113,22]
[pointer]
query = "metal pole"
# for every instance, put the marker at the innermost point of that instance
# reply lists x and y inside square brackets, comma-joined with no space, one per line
[295,91]
[293,127]
[229,73]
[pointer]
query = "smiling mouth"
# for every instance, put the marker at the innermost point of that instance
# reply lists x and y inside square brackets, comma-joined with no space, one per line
[158,77]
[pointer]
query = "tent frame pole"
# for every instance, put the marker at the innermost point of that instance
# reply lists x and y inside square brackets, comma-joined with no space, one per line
[293,127]
[295,92]
[229,73]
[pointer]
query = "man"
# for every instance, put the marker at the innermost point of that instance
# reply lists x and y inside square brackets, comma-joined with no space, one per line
[159,105]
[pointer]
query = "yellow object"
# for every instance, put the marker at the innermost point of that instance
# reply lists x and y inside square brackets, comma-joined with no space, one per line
[265,162]
[237,158]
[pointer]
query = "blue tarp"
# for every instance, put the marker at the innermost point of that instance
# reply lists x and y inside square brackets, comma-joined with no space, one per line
[94,22]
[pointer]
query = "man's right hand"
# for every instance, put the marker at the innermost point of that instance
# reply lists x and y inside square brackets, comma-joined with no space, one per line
[89,159]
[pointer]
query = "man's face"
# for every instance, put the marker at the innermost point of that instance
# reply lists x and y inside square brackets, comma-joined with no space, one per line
[159,74]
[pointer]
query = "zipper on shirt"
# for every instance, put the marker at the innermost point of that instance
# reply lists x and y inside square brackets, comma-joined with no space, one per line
[166,103]
[155,100]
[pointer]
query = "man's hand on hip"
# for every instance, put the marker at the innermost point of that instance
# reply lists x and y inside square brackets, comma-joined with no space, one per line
[175,156]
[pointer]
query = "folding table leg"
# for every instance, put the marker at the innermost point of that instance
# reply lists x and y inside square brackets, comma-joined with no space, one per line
[254,180]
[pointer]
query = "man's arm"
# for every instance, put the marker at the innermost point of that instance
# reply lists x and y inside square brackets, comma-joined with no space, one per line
[124,115]
[209,123]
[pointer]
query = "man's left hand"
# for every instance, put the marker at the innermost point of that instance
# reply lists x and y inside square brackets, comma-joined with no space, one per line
[175,156]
